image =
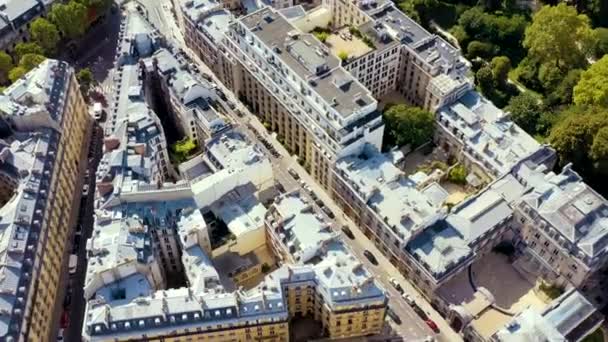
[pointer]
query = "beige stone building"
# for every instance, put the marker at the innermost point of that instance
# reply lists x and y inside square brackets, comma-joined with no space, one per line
[42,163]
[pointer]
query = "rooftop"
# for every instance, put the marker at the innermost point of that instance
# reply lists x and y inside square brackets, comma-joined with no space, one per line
[394,197]
[302,231]
[570,208]
[309,60]
[487,133]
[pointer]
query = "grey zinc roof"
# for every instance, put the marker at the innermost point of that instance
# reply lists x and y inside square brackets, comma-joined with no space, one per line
[306,57]
[570,206]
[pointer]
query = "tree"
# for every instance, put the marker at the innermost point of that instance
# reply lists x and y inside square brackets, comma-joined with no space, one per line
[16,73]
[6,64]
[70,18]
[31,60]
[85,78]
[601,46]
[343,55]
[599,148]
[550,76]
[500,69]
[409,125]
[592,89]
[563,92]
[559,35]
[525,111]
[480,49]
[22,49]
[458,175]
[485,80]
[45,34]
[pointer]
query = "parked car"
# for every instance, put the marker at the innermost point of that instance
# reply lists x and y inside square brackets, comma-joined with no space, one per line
[408,299]
[231,105]
[73,263]
[370,257]
[393,315]
[396,285]
[329,213]
[419,312]
[432,325]
[85,190]
[60,335]
[293,174]
[348,232]
[206,76]
[221,95]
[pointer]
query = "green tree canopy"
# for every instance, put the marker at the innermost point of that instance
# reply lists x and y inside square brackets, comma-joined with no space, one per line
[85,78]
[563,93]
[485,79]
[601,46]
[409,125]
[574,136]
[480,49]
[6,64]
[22,49]
[45,34]
[31,60]
[559,35]
[71,18]
[16,73]
[592,89]
[525,111]
[501,66]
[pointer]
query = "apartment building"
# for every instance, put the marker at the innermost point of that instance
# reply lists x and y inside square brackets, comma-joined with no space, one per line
[189,96]
[485,140]
[15,19]
[45,137]
[329,284]
[205,22]
[570,317]
[319,111]
[430,72]
[564,228]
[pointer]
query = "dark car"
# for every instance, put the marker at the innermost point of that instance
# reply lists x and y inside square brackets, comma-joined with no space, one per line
[393,315]
[221,95]
[420,312]
[329,213]
[348,232]
[370,257]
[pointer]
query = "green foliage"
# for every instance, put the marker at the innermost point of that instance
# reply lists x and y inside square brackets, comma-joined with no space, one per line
[409,125]
[580,137]
[6,64]
[343,55]
[45,34]
[22,49]
[71,19]
[560,36]
[369,42]
[429,167]
[85,78]
[31,60]
[550,76]
[502,31]
[525,111]
[458,175]
[460,34]
[485,80]
[16,73]
[501,66]
[183,149]
[321,36]
[563,92]
[551,291]
[592,89]
[355,31]
[480,49]
[528,73]
[601,46]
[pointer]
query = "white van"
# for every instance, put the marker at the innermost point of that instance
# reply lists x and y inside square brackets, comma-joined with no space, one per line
[97,111]
[73,263]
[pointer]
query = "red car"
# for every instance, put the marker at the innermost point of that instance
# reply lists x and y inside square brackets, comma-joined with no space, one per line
[432,325]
